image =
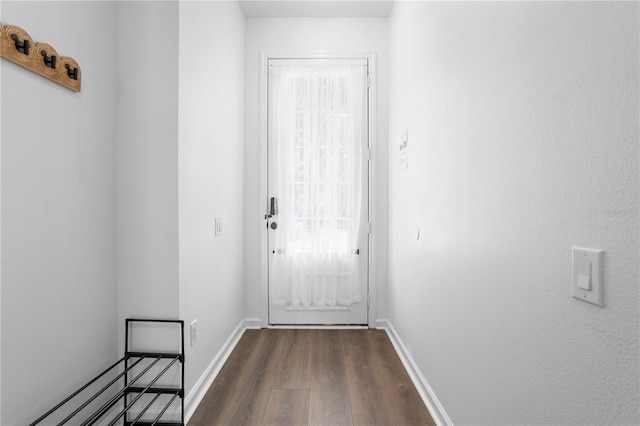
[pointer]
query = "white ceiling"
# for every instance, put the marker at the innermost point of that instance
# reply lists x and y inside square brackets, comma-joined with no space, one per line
[316,8]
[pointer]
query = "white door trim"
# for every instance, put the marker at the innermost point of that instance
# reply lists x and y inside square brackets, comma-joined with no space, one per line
[264,276]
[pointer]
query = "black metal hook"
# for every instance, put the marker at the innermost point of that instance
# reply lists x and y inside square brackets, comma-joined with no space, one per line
[21,46]
[72,73]
[49,61]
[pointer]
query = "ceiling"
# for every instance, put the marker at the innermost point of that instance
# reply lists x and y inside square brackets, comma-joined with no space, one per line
[316,8]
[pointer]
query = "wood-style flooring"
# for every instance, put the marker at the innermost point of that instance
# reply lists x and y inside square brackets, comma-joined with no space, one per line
[312,377]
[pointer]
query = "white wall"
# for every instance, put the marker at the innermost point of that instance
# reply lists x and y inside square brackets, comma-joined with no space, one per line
[210,172]
[281,36]
[58,211]
[523,142]
[0,229]
[147,160]
[93,184]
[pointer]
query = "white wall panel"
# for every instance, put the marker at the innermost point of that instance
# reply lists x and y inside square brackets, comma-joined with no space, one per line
[522,126]
[58,211]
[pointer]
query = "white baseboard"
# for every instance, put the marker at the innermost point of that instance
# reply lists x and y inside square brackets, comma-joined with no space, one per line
[252,323]
[426,393]
[203,384]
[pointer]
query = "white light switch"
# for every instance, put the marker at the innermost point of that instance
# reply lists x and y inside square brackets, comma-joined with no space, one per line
[588,284]
[584,274]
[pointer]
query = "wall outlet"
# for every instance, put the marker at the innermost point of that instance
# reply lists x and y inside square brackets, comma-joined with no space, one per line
[193,331]
[218,227]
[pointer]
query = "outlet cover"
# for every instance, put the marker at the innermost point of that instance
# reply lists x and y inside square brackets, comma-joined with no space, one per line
[193,331]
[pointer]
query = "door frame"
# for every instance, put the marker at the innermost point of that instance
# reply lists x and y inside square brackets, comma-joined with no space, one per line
[372,124]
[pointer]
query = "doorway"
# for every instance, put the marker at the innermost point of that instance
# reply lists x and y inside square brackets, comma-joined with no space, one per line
[318,191]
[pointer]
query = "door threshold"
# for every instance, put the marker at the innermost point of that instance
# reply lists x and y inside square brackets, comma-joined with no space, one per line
[318,327]
[317,308]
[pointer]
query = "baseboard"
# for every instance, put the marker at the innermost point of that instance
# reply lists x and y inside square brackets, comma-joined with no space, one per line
[206,379]
[426,393]
[252,323]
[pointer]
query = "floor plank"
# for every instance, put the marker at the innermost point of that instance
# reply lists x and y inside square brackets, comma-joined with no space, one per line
[329,397]
[251,402]
[370,404]
[287,407]
[294,371]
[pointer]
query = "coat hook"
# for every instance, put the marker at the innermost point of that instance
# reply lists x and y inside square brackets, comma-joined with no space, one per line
[73,73]
[21,46]
[49,61]
[39,57]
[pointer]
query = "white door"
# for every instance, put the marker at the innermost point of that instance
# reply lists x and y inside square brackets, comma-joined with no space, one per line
[318,209]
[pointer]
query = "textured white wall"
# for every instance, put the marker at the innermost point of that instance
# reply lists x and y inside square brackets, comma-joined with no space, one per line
[58,211]
[523,141]
[210,174]
[303,36]
[147,160]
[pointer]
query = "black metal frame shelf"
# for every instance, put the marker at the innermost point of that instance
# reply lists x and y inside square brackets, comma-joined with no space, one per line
[131,391]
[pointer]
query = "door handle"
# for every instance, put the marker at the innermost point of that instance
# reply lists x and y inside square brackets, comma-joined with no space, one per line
[273,206]
[274,225]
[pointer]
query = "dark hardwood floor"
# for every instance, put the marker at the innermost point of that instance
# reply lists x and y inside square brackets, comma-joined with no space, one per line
[312,377]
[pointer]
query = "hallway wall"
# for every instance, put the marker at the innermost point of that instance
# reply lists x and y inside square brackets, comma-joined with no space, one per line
[58,211]
[282,36]
[210,173]
[109,195]
[522,123]
[147,161]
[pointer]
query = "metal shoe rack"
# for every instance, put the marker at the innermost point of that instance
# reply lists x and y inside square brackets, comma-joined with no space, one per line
[128,385]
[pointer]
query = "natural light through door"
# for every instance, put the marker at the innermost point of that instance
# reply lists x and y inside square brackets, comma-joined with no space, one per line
[318,191]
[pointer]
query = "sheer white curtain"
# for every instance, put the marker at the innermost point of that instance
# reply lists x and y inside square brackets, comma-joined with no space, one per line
[318,113]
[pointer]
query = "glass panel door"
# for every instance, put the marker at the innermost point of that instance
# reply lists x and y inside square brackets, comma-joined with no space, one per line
[318,191]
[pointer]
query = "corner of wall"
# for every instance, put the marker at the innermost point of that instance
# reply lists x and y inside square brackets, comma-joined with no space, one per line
[147,162]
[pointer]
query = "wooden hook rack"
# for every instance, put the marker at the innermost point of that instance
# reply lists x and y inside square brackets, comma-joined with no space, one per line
[18,47]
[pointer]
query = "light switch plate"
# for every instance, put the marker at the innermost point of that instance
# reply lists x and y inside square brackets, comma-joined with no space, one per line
[596,258]
[193,331]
